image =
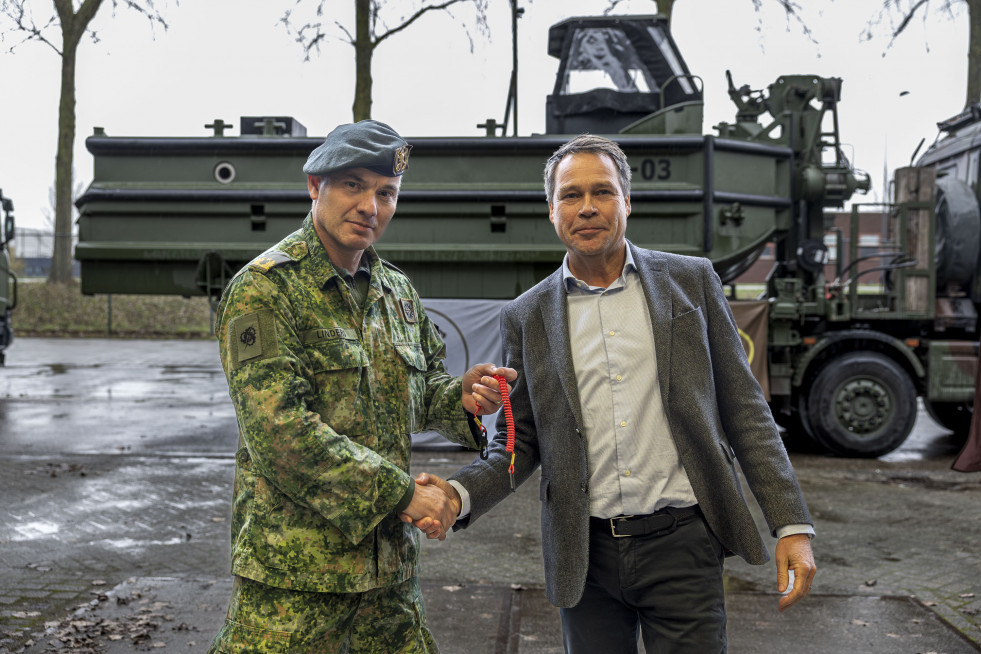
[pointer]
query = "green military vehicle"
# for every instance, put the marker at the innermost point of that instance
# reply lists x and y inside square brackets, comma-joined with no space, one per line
[8,281]
[181,215]
[952,161]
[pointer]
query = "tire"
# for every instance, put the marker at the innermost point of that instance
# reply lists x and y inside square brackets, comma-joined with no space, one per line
[862,404]
[797,433]
[958,233]
[955,416]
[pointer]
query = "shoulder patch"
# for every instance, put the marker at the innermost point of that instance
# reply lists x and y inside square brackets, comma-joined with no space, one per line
[251,336]
[269,260]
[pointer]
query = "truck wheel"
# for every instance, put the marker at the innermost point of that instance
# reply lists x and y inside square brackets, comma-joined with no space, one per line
[861,405]
[797,432]
[955,416]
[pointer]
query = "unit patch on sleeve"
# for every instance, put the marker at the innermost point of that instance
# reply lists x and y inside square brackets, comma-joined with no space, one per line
[408,310]
[252,336]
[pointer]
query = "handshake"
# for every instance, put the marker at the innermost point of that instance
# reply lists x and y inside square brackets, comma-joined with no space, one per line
[434,507]
[436,504]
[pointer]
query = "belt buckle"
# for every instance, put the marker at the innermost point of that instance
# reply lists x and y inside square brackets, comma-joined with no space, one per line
[613,526]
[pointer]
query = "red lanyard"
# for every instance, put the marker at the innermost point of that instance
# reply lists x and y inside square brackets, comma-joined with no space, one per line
[502,385]
[509,420]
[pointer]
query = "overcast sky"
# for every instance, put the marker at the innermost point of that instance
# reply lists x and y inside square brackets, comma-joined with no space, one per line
[227,58]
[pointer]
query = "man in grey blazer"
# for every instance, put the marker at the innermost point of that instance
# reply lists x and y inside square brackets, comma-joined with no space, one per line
[635,397]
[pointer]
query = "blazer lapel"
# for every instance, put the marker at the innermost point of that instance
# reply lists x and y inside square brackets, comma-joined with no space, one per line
[555,319]
[657,289]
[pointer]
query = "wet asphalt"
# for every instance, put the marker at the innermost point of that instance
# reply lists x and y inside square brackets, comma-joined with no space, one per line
[116,463]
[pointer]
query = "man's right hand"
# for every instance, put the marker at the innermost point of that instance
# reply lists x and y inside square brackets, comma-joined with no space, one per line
[434,506]
[436,492]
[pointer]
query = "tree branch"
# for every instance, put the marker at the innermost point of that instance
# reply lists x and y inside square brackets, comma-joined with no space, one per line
[412,19]
[907,18]
[15,10]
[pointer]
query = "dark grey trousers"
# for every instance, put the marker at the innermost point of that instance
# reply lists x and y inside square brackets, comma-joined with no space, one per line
[669,587]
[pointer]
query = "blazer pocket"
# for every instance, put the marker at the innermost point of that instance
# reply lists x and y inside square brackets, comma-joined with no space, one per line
[543,489]
[687,313]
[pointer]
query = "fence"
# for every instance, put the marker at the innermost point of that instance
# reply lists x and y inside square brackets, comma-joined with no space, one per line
[31,250]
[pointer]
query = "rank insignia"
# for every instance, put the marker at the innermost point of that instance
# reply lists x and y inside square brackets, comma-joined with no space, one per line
[401,160]
[408,310]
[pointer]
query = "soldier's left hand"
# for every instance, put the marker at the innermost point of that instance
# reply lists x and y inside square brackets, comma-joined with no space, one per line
[480,387]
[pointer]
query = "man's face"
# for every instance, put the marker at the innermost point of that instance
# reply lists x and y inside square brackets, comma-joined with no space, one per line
[351,210]
[588,207]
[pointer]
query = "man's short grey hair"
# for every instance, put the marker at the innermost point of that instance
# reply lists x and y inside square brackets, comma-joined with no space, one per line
[595,145]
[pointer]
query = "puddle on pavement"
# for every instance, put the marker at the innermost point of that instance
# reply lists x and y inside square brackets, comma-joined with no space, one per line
[62,368]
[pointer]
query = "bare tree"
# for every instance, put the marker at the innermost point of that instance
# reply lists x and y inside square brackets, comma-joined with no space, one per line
[370,30]
[72,23]
[900,13]
[665,7]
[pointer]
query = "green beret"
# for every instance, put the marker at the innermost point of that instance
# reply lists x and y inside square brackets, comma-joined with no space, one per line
[365,144]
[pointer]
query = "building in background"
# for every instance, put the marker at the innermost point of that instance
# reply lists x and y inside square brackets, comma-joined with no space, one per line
[870,242]
[32,248]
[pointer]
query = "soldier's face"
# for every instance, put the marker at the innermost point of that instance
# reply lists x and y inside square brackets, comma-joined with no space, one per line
[351,210]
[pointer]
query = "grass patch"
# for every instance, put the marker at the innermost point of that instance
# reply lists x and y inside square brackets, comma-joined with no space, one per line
[61,310]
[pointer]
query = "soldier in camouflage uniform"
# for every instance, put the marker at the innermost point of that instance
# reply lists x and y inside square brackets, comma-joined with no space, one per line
[331,363]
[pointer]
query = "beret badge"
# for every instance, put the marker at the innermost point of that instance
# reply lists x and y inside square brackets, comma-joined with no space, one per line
[401,159]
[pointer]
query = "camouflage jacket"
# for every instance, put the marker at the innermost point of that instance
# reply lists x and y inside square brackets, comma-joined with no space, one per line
[325,403]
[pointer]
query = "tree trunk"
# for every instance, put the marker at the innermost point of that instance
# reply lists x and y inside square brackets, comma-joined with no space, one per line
[73,26]
[363,47]
[974,52]
[61,257]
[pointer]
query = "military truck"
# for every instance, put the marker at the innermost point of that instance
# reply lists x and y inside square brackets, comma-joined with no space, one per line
[181,215]
[8,280]
[952,161]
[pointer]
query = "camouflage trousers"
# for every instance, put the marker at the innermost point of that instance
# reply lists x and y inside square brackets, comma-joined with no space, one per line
[268,620]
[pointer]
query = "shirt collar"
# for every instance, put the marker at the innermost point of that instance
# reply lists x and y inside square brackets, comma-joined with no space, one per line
[571,282]
[324,267]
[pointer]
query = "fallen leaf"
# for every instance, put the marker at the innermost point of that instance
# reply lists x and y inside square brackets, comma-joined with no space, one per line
[860,623]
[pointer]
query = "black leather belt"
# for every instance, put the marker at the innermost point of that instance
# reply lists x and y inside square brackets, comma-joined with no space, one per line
[659,523]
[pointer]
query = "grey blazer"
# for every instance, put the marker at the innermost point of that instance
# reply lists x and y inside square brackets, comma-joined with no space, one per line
[715,409]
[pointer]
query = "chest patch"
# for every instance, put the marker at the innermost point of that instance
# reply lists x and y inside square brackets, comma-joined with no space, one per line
[408,310]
